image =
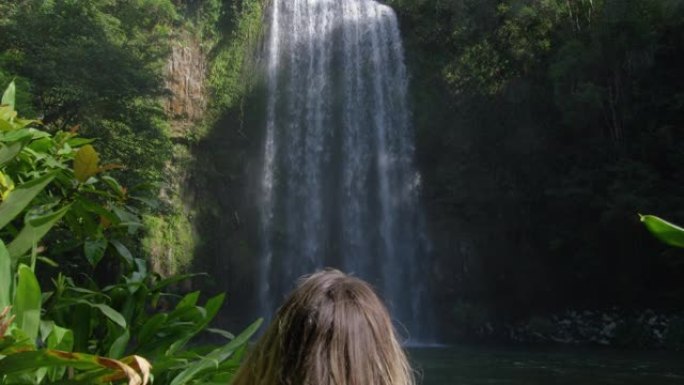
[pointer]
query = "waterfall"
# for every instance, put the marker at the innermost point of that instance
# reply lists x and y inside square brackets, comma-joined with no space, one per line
[339,187]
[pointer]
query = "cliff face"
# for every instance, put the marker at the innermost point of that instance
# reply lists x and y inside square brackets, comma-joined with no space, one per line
[185,74]
[171,236]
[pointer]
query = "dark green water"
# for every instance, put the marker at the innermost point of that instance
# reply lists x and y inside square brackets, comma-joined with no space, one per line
[480,366]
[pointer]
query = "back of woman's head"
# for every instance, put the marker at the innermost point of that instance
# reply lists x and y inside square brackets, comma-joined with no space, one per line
[332,330]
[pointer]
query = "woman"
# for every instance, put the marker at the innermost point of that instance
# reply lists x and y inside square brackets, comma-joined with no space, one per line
[332,330]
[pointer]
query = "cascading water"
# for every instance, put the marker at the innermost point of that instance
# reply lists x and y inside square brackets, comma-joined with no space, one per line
[338,185]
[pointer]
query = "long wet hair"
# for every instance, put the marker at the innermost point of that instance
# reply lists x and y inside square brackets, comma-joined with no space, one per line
[332,330]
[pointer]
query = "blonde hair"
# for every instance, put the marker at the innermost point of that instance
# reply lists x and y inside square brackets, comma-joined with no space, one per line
[332,330]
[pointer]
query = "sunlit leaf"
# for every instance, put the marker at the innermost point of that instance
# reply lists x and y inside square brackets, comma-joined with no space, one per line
[33,231]
[15,135]
[7,114]
[5,277]
[86,163]
[9,95]
[19,198]
[215,357]
[665,231]
[60,339]
[27,302]
[114,370]
[223,333]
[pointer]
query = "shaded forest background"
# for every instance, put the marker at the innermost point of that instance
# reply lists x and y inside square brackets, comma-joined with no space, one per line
[543,127]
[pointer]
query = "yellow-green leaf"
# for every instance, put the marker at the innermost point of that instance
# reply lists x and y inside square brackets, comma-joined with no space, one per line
[7,114]
[20,197]
[86,163]
[9,95]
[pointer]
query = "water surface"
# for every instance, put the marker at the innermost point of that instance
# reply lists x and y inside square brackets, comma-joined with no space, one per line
[479,366]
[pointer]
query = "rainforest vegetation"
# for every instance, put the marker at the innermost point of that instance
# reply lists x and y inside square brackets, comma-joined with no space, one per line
[542,128]
[87,183]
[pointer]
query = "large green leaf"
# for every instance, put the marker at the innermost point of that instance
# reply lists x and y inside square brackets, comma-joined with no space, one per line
[151,327]
[27,302]
[27,134]
[31,361]
[665,231]
[110,313]
[33,231]
[209,311]
[5,277]
[19,198]
[60,339]
[9,151]
[118,347]
[190,300]
[34,360]
[123,251]
[216,357]
[9,95]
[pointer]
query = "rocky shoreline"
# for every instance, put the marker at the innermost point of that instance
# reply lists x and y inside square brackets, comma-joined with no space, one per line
[646,329]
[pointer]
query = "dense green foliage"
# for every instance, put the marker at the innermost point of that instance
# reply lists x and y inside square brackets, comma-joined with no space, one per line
[96,64]
[41,187]
[98,69]
[542,127]
[55,184]
[101,66]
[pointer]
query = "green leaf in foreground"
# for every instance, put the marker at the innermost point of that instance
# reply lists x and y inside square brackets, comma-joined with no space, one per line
[9,95]
[107,311]
[5,277]
[9,151]
[27,302]
[107,369]
[21,197]
[217,356]
[119,345]
[33,231]
[665,231]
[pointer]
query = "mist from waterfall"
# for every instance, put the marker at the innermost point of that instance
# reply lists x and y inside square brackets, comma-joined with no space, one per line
[338,185]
